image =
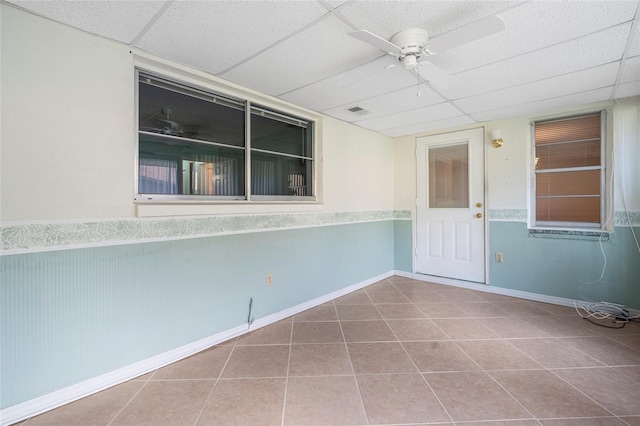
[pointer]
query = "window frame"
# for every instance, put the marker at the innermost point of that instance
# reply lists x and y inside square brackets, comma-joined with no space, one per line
[249,104]
[606,176]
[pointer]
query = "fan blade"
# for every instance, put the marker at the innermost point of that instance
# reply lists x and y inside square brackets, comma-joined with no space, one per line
[474,31]
[375,41]
[435,75]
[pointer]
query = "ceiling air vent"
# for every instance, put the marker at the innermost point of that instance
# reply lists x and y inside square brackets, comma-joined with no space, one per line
[358,110]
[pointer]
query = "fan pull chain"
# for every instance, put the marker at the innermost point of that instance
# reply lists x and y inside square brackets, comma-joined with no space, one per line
[418,78]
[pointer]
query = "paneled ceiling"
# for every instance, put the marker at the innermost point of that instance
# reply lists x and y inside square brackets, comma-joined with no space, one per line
[552,54]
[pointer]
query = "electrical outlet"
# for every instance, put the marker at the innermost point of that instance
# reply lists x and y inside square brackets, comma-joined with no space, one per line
[499,257]
[269,280]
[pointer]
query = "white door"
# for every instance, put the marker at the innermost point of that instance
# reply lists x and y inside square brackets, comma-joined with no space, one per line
[450,205]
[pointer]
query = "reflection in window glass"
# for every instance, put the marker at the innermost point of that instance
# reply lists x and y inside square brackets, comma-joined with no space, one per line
[204,169]
[175,114]
[279,175]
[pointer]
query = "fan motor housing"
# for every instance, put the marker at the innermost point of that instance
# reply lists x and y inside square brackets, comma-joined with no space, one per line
[412,40]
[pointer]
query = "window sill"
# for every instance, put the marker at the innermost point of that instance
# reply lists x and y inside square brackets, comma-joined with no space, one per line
[570,234]
[165,208]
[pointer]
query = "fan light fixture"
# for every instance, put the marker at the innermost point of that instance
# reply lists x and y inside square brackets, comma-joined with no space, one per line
[410,62]
[496,140]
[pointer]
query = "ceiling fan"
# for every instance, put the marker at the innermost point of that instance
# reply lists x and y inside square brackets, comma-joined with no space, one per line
[410,46]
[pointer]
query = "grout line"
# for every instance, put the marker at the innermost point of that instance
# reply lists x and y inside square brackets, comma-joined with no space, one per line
[454,341]
[286,379]
[128,402]
[353,372]
[415,365]
[215,384]
[576,388]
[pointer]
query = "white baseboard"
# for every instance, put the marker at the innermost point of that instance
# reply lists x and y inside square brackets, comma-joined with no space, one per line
[489,289]
[35,406]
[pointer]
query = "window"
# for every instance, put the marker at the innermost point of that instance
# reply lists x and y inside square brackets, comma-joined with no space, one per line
[569,171]
[196,144]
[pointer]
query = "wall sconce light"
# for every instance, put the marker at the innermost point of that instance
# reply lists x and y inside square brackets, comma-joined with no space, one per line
[496,140]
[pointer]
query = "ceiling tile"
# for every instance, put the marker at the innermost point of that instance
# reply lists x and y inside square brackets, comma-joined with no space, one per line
[546,106]
[627,90]
[311,55]
[216,35]
[586,52]
[461,120]
[118,20]
[567,84]
[630,70]
[634,49]
[363,82]
[407,118]
[535,25]
[389,103]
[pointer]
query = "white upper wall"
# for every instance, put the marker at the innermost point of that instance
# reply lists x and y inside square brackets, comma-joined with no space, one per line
[67,122]
[68,133]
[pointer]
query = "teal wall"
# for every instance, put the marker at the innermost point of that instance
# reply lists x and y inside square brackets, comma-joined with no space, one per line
[551,266]
[559,266]
[71,315]
[402,246]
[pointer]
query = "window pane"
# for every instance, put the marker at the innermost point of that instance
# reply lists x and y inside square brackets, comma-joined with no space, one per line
[575,209]
[175,114]
[570,154]
[449,177]
[204,169]
[585,182]
[569,129]
[278,175]
[278,136]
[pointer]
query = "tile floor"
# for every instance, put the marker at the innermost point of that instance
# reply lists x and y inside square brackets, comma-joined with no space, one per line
[397,352]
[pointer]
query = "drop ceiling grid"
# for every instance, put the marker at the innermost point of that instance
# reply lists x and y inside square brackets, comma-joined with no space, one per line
[207,34]
[407,118]
[390,103]
[546,106]
[630,70]
[447,123]
[567,84]
[121,21]
[634,49]
[533,26]
[300,52]
[351,86]
[627,90]
[579,54]
[293,63]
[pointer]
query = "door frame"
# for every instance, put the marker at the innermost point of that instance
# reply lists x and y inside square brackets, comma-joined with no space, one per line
[414,207]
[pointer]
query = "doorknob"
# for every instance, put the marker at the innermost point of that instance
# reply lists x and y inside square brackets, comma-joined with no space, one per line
[479,215]
[478,204]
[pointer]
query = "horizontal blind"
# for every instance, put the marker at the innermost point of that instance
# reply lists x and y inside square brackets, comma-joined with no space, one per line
[568,169]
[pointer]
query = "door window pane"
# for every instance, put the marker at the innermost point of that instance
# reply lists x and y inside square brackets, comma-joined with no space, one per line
[449,176]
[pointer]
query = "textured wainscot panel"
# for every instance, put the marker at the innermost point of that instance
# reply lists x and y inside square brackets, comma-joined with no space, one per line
[70,315]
